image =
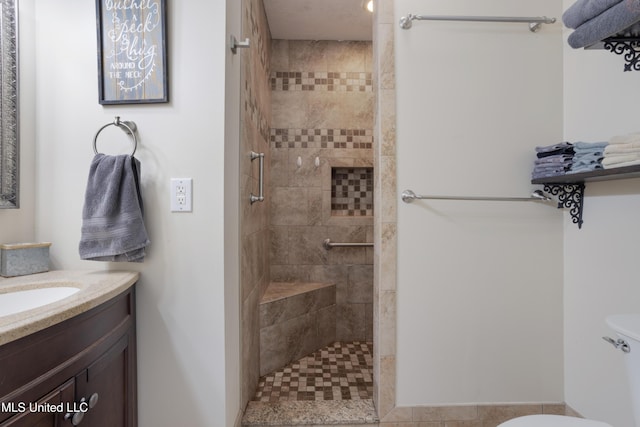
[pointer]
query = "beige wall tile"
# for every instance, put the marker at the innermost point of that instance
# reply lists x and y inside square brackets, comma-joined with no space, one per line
[388,205]
[388,256]
[554,408]
[386,397]
[506,412]
[289,206]
[387,327]
[348,56]
[399,414]
[305,55]
[445,413]
[279,55]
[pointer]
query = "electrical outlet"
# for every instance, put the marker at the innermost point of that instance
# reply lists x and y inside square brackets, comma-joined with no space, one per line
[181,194]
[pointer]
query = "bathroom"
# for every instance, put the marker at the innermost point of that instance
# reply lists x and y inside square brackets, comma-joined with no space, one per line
[494,304]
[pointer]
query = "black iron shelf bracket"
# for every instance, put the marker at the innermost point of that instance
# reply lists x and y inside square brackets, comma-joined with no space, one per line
[627,46]
[570,196]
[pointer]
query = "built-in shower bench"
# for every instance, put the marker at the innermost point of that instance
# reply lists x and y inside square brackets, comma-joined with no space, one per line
[296,319]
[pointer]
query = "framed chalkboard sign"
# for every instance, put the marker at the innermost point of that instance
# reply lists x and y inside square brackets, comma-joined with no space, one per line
[132,51]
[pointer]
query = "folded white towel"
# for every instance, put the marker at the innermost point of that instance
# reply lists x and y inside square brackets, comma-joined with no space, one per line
[630,138]
[620,149]
[623,164]
[626,145]
[620,159]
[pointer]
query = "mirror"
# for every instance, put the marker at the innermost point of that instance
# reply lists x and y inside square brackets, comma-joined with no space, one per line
[9,142]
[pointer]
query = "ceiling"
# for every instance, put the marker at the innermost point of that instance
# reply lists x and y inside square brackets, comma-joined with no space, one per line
[318,19]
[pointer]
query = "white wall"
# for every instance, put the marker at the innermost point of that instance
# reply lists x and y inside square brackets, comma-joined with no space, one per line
[601,266]
[187,295]
[479,284]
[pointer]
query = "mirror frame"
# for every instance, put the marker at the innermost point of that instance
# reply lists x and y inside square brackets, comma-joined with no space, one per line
[9,101]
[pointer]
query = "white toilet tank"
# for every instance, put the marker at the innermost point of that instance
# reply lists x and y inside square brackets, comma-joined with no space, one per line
[627,326]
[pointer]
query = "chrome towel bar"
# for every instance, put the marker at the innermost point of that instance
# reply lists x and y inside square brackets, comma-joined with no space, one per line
[534,22]
[409,196]
[328,244]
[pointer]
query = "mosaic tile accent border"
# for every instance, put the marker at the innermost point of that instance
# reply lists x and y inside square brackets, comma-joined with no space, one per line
[352,191]
[322,138]
[321,81]
[341,371]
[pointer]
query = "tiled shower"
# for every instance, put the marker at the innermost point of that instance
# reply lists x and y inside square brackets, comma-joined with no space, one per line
[309,106]
[321,134]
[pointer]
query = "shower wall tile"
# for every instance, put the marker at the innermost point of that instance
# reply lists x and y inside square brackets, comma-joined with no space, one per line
[350,321]
[294,326]
[289,206]
[385,235]
[255,123]
[322,110]
[279,163]
[387,323]
[291,273]
[279,245]
[322,107]
[280,54]
[329,274]
[308,55]
[360,279]
[315,206]
[322,81]
[388,125]
[250,329]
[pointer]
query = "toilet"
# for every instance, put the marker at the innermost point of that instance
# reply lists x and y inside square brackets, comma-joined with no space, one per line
[627,327]
[552,421]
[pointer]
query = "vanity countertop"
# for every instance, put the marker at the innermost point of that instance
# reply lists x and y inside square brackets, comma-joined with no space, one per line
[95,287]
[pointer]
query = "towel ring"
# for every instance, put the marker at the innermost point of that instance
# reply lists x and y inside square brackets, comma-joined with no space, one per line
[129,127]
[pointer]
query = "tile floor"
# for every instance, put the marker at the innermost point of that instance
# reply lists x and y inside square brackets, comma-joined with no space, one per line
[341,371]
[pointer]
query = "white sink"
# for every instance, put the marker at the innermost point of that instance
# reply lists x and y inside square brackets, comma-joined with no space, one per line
[22,300]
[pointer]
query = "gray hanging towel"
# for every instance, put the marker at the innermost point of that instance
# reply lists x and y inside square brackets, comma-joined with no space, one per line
[584,10]
[112,224]
[617,20]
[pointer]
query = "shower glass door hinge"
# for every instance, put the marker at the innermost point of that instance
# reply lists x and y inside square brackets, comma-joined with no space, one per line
[234,44]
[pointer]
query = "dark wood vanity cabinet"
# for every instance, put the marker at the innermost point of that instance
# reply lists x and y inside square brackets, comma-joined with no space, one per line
[79,372]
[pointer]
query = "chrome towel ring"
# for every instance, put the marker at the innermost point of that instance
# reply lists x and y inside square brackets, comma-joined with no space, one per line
[128,127]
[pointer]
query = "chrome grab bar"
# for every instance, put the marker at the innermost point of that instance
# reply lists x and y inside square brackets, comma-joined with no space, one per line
[328,244]
[409,196]
[534,21]
[260,197]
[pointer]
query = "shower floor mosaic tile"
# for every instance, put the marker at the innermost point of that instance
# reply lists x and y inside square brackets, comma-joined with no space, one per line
[341,371]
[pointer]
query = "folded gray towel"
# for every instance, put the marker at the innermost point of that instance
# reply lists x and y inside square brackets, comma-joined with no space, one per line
[614,20]
[112,225]
[584,10]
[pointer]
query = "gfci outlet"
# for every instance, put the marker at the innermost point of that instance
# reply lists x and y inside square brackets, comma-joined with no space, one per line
[181,194]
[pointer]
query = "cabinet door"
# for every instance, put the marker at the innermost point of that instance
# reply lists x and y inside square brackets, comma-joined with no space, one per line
[108,381]
[45,411]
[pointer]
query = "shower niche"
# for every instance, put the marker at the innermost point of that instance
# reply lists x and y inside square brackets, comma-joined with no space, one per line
[352,191]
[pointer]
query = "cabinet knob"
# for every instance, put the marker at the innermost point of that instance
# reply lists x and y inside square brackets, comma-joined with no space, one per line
[77,416]
[93,400]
